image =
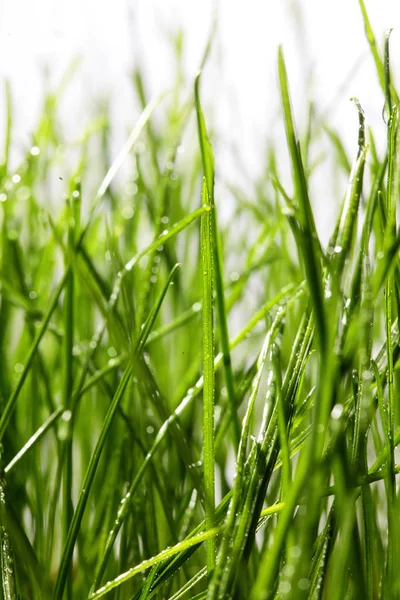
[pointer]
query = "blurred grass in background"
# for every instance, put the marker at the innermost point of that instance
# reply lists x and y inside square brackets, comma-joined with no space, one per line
[149,349]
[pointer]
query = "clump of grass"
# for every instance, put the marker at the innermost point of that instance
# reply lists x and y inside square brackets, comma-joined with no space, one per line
[124,392]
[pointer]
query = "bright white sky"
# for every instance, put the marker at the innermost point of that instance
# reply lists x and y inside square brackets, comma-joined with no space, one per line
[322,40]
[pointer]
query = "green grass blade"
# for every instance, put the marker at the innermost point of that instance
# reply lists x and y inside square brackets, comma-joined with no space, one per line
[34,439]
[10,406]
[208,374]
[311,248]
[95,458]
[8,575]
[207,156]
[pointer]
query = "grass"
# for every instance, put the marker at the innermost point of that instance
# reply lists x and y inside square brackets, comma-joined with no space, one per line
[150,349]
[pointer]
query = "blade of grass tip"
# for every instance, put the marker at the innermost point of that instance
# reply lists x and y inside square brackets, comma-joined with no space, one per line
[210,40]
[10,406]
[208,375]
[95,458]
[388,91]
[348,218]
[341,153]
[120,159]
[372,44]
[355,285]
[7,137]
[8,579]
[34,439]
[207,157]
[311,248]
[154,142]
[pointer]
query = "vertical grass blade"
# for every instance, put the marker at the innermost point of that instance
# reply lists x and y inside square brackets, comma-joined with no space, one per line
[207,157]
[208,374]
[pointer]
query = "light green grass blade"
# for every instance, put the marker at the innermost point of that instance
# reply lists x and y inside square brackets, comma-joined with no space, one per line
[165,554]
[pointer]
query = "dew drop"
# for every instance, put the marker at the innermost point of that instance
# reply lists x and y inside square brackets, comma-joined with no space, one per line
[66,416]
[303,584]
[337,411]
[127,213]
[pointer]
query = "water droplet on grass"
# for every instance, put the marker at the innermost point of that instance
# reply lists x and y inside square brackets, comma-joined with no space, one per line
[285,587]
[66,416]
[303,584]
[337,411]
[127,213]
